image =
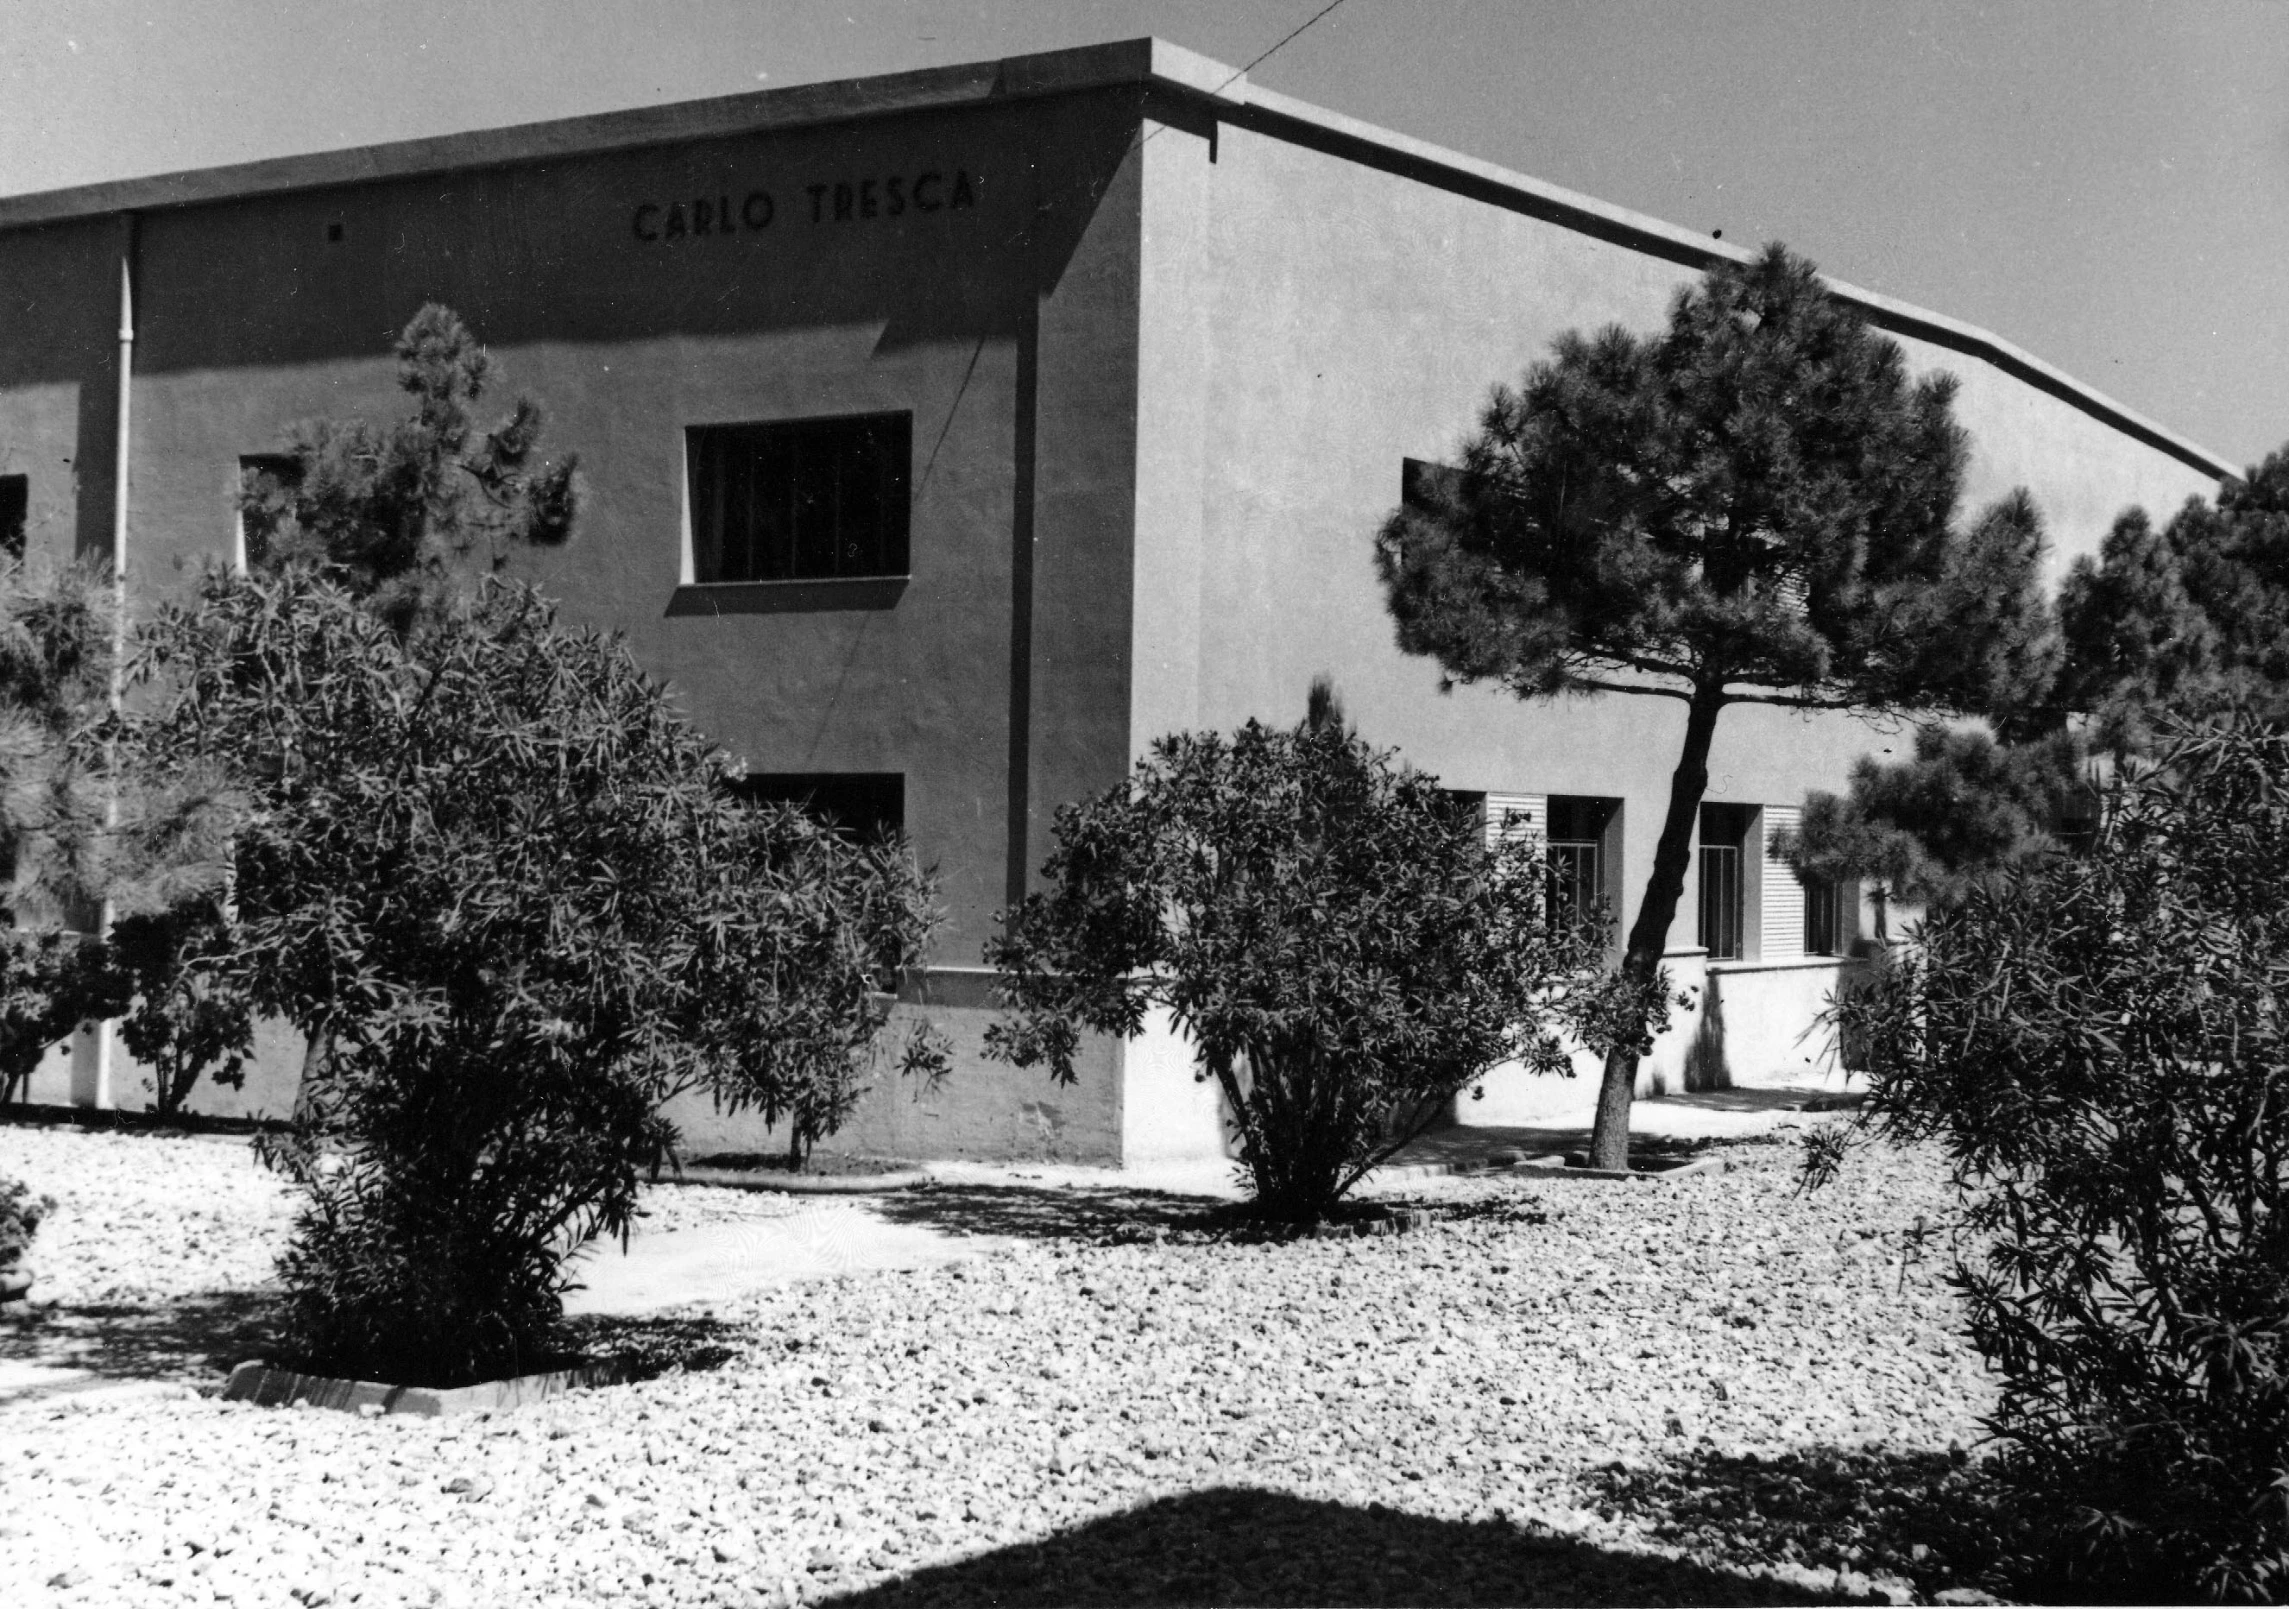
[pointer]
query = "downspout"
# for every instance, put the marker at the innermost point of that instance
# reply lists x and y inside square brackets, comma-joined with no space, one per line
[93,1045]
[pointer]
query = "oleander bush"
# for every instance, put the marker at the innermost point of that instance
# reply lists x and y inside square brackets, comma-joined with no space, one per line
[20,1215]
[503,890]
[1331,931]
[2099,1043]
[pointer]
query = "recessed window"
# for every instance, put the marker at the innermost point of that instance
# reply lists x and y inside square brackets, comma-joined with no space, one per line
[15,513]
[800,500]
[334,234]
[1823,918]
[266,486]
[1577,855]
[1724,830]
[866,806]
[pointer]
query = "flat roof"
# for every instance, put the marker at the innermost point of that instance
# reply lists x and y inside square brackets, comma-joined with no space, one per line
[1150,64]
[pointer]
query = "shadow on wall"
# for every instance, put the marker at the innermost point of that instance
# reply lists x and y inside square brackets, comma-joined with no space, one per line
[1234,1545]
[1705,1064]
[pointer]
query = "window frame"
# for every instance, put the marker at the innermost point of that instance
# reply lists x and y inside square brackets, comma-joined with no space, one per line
[1721,919]
[712,454]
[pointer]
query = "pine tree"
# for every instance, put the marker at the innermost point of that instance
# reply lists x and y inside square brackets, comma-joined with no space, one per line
[1756,505]
[2183,624]
[391,512]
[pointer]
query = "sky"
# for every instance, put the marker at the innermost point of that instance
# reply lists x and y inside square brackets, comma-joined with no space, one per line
[2104,183]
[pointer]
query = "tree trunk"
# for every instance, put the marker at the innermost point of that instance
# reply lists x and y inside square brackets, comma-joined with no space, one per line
[1649,934]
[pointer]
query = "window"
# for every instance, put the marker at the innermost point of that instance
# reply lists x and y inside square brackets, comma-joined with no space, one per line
[1823,918]
[1577,855]
[266,486]
[1724,829]
[15,513]
[801,500]
[868,806]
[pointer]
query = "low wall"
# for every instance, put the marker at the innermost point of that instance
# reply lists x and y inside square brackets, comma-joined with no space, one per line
[1511,1097]
[1761,1028]
[1169,1113]
[983,1110]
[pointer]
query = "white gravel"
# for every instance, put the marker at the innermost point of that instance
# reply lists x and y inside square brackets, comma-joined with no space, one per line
[1535,1404]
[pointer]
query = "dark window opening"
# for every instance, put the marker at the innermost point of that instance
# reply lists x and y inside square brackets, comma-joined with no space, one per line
[801,500]
[15,513]
[1424,485]
[266,486]
[1823,918]
[865,806]
[1724,829]
[1577,856]
[333,232]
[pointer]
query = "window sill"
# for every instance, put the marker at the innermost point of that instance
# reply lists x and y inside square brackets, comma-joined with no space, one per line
[1790,963]
[787,597]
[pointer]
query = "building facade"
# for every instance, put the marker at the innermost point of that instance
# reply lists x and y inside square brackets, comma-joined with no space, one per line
[949,436]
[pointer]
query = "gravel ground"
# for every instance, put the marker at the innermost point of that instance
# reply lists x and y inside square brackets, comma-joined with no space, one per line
[1700,1391]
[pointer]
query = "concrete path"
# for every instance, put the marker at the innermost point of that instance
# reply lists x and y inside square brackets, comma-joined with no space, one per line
[822,1238]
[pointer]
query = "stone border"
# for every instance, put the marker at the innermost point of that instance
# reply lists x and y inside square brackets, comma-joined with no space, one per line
[800,1184]
[258,1383]
[1558,1167]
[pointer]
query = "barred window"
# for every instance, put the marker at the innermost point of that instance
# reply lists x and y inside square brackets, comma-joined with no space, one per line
[1724,829]
[800,499]
[1823,913]
[1577,856]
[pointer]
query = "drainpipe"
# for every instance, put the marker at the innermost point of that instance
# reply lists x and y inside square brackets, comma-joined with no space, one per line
[93,1045]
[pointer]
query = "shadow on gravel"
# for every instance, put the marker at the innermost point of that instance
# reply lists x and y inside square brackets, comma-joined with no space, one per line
[190,1338]
[1231,1545]
[1923,1516]
[1081,1213]
[199,1339]
[661,1345]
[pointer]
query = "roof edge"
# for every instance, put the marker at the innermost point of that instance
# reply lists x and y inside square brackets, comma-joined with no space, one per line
[1145,62]
[1281,114]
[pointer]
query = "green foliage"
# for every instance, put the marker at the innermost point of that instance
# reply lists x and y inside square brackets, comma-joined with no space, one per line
[2097,1043]
[796,979]
[2188,622]
[1760,497]
[1962,807]
[391,511]
[1332,933]
[491,873]
[1755,505]
[20,1215]
[78,827]
[180,1014]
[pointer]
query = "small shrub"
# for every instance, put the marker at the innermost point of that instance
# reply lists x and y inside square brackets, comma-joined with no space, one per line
[2098,1042]
[20,1215]
[800,976]
[1330,930]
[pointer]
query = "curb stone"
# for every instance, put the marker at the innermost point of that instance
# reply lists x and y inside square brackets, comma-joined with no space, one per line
[800,1184]
[258,1383]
